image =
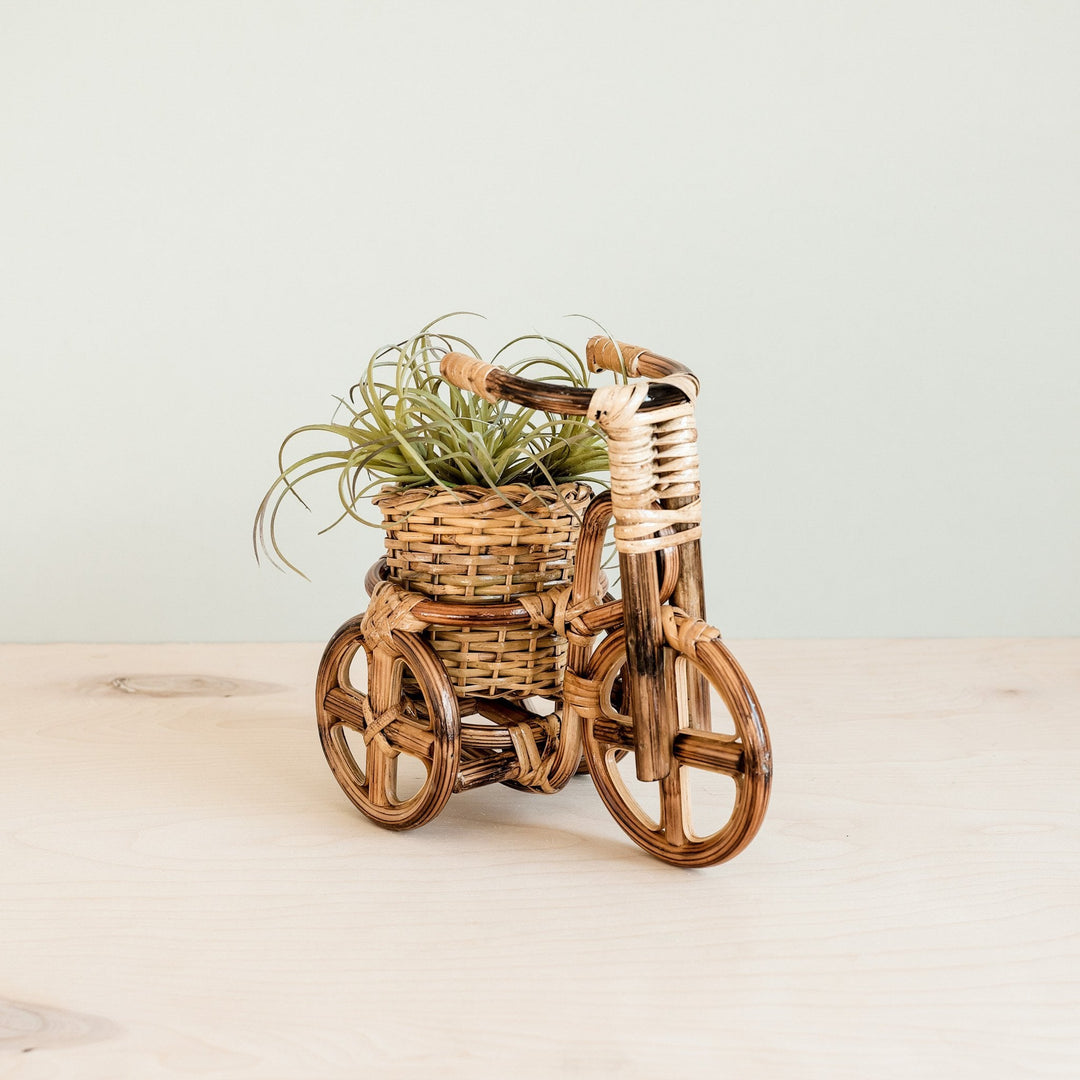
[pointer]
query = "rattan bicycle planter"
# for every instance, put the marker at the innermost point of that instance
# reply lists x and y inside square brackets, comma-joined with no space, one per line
[480,608]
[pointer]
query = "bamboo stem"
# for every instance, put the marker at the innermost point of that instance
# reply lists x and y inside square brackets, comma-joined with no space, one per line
[493,769]
[649,677]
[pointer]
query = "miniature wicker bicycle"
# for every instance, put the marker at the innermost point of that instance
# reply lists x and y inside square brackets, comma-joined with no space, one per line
[641,689]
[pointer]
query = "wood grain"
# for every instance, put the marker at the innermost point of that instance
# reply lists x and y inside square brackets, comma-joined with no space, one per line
[184,890]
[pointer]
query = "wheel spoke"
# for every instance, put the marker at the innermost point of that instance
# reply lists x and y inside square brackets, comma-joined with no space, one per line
[610,732]
[346,706]
[674,808]
[408,737]
[381,773]
[404,734]
[698,700]
[709,750]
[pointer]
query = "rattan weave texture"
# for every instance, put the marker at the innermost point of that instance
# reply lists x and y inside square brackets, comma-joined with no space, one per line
[477,545]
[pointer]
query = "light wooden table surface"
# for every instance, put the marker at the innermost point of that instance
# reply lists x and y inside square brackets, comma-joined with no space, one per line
[186,892]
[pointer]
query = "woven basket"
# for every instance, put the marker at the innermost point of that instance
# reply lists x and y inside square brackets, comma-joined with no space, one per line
[474,545]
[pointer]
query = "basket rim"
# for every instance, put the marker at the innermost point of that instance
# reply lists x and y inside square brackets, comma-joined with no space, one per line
[393,496]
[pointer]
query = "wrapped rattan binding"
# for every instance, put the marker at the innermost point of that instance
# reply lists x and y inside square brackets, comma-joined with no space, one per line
[477,545]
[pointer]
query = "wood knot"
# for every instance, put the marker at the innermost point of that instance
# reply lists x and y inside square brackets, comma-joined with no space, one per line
[154,685]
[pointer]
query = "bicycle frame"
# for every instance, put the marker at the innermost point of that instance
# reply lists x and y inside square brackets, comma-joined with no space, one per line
[643,689]
[650,684]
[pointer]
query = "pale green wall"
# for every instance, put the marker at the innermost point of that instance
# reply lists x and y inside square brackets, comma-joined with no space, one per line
[859,222]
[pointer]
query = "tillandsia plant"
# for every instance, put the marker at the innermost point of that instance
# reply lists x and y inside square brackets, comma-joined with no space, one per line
[403,424]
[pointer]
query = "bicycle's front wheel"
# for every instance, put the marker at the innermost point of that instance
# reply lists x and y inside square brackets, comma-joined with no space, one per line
[728,771]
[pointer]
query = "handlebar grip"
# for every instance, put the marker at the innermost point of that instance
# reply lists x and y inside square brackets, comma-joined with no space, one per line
[603,354]
[467,373]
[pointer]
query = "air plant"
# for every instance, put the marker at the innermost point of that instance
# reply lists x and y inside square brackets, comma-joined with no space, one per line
[403,424]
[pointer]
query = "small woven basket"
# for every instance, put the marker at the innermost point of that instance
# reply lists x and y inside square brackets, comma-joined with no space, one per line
[476,545]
